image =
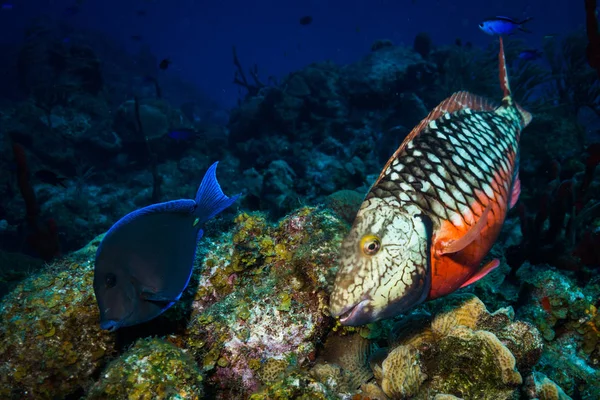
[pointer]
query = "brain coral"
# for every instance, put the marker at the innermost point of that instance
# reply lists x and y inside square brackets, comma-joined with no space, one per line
[454,354]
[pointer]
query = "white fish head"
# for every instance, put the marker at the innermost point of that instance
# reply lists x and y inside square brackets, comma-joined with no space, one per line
[384,264]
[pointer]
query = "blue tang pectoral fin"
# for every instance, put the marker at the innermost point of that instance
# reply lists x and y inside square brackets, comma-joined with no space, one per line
[165,297]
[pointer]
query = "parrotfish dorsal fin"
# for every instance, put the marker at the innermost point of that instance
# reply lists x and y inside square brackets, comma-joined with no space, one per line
[503,71]
[458,101]
[507,100]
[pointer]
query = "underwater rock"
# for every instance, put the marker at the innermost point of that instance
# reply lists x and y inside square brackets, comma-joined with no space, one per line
[343,120]
[157,118]
[568,368]
[423,44]
[50,342]
[381,44]
[296,385]
[538,386]
[375,80]
[345,203]
[152,368]
[555,298]
[256,306]
[278,186]
[155,122]
[332,376]
[261,303]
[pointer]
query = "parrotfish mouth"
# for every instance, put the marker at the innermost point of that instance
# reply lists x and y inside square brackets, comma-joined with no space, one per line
[355,315]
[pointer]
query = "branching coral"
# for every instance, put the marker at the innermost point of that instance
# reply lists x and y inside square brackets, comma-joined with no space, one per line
[241,80]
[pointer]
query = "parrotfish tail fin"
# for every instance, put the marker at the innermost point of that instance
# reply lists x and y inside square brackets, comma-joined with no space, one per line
[523,29]
[210,199]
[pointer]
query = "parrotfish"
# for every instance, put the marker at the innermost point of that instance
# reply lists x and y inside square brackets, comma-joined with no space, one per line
[144,263]
[435,210]
[503,26]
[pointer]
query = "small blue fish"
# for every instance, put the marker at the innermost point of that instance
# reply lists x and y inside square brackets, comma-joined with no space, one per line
[6,6]
[530,55]
[503,26]
[144,263]
[182,134]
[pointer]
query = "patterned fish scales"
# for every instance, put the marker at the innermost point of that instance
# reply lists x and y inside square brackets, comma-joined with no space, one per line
[457,162]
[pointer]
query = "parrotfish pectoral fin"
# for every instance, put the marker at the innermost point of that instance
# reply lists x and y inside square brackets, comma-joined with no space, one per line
[457,245]
[516,191]
[489,267]
[210,199]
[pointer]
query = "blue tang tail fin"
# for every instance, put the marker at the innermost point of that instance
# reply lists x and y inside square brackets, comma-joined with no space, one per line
[210,199]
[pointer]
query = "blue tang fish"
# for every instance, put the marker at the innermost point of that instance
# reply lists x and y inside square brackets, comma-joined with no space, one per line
[145,260]
[503,26]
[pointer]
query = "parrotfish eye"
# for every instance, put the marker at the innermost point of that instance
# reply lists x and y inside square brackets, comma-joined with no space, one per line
[370,245]
[110,280]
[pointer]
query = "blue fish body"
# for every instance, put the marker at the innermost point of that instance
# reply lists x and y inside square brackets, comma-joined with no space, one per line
[503,26]
[144,263]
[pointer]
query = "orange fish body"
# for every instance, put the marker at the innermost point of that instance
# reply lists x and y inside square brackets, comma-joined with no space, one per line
[436,209]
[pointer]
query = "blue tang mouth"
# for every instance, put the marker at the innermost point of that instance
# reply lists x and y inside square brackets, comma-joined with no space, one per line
[110,325]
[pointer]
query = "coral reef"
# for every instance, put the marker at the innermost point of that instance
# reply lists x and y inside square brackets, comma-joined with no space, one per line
[151,369]
[50,342]
[538,386]
[260,308]
[567,318]
[257,302]
[462,350]
[253,322]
